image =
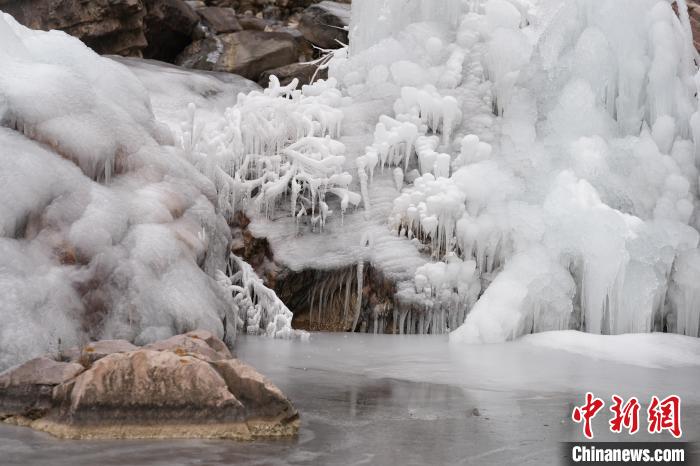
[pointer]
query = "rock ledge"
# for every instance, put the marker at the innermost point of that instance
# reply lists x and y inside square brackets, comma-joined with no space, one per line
[188,386]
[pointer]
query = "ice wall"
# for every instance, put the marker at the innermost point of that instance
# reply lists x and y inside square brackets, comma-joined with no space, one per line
[532,164]
[375,20]
[106,229]
[548,155]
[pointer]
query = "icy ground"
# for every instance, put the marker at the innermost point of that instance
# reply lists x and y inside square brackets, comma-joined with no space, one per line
[387,400]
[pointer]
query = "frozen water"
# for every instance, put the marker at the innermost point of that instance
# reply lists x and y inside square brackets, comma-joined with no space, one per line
[386,400]
[106,229]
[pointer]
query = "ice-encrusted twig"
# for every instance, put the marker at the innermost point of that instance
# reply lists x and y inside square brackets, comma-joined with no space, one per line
[260,311]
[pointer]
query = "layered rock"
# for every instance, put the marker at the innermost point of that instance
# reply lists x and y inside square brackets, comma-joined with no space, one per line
[285,8]
[694,13]
[169,28]
[97,350]
[220,20]
[106,26]
[197,34]
[27,389]
[246,53]
[306,73]
[326,24]
[188,386]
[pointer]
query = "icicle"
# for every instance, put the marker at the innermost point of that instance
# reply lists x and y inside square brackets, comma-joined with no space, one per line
[358,300]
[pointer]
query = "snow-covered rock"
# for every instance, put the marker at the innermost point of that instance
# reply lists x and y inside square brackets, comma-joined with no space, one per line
[107,230]
[325,24]
[246,53]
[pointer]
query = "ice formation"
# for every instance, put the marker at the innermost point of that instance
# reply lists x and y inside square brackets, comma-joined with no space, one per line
[277,146]
[106,229]
[514,166]
[549,150]
[258,309]
[545,151]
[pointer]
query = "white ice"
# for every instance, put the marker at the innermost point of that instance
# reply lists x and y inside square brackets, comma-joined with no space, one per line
[513,166]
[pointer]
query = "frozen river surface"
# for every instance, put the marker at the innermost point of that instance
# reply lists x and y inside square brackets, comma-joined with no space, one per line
[404,400]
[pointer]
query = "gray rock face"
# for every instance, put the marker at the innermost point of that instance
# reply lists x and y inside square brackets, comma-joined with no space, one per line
[220,20]
[188,386]
[252,23]
[325,24]
[285,7]
[153,28]
[246,53]
[26,390]
[169,26]
[106,26]
[304,72]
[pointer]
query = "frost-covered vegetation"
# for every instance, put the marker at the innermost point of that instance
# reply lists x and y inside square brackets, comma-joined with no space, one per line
[539,159]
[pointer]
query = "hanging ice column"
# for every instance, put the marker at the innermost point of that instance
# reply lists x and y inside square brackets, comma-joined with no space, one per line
[574,201]
[618,226]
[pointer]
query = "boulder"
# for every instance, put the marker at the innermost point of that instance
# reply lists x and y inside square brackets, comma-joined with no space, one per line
[200,343]
[285,8]
[252,23]
[325,24]
[694,14]
[188,386]
[146,394]
[246,53]
[106,26]
[306,49]
[26,390]
[99,349]
[169,28]
[261,398]
[304,72]
[220,20]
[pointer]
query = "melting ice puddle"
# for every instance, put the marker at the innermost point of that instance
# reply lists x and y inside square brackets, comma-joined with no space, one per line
[381,399]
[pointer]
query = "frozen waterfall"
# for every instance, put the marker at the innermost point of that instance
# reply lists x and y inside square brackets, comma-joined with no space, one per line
[566,202]
[506,166]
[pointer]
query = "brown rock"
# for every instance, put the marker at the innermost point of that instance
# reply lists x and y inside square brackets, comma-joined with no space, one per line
[211,340]
[246,53]
[146,387]
[307,51]
[99,349]
[26,389]
[220,20]
[306,73]
[252,23]
[199,343]
[261,398]
[106,26]
[181,387]
[325,24]
[169,26]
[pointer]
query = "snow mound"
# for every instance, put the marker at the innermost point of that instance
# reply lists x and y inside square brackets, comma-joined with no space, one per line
[654,350]
[106,229]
